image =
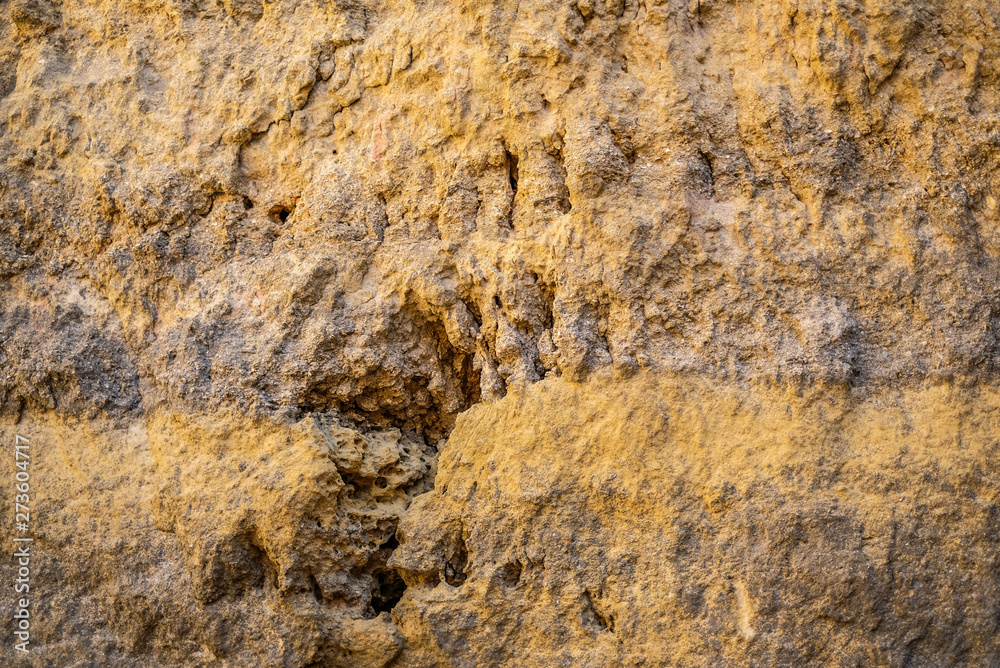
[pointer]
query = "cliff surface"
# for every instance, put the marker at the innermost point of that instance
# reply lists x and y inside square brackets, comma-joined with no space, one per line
[607,332]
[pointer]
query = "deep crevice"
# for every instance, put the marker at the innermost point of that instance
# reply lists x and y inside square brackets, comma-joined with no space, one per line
[709,172]
[280,213]
[474,310]
[562,200]
[512,171]
[316,589]
[455,568]
[388,592]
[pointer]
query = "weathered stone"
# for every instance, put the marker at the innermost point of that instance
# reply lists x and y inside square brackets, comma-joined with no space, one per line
[547,333]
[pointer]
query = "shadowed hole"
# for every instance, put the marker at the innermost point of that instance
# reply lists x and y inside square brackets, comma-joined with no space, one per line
[510,574]
[390,589]
[316,589]
[512,172]
[454,568]
[280,213]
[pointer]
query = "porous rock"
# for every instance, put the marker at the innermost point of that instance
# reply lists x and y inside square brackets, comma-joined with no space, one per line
[538,332]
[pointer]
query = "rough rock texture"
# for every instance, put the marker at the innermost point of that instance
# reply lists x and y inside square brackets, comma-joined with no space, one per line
[533,332]
[677,522]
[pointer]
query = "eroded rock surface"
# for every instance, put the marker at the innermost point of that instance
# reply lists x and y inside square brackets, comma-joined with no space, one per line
[681,522]
[692,303]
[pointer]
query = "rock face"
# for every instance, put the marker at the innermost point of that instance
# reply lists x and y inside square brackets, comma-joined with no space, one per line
[538,332]
[676,522]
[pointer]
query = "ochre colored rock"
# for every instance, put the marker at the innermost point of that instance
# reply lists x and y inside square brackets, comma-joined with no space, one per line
[520,333]
[678,521]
